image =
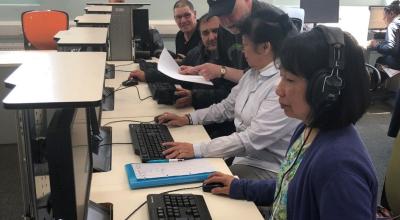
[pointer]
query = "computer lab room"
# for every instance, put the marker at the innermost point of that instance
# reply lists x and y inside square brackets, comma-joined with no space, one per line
[200,109]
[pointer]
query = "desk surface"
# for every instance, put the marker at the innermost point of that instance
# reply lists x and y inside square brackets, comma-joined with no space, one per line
[127,102]
[82,35]
[93,19]
[54,79]
[98,8]
[113,186]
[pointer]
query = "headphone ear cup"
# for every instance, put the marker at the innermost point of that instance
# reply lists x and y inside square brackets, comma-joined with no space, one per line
[315,96]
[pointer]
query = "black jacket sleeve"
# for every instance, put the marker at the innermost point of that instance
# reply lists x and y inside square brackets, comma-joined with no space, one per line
[204,96]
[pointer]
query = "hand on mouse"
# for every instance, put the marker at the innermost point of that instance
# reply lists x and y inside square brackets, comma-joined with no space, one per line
[178,150]
[185,98]
[139,74]
[171,119]
[218,177]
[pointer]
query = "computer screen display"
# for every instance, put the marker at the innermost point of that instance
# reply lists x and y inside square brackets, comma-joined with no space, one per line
[376,18]
[70,163]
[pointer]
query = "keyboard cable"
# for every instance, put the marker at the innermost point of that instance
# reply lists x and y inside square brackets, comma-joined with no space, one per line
[141,205]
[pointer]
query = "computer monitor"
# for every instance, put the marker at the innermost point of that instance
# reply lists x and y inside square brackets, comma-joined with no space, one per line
[140,22]
[320,11]
[376,21]
[70,163]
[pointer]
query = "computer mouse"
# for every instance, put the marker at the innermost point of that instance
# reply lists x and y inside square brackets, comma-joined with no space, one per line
[208,187]
[130,82]
[157,120]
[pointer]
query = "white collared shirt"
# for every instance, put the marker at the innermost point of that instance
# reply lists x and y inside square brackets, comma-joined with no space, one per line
[263,130]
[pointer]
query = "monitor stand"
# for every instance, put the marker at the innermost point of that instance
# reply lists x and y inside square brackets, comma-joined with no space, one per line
[110,71]
[108,99]
[99,211]
[102,159]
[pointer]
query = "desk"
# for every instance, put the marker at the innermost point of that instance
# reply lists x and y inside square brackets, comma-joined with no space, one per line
[49,78]
[91,38]
[94,20]
[113,186]
[98,9]
[127,102]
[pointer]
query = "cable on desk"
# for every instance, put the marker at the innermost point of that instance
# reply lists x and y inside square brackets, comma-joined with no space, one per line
[106,94]
[141,205]
[127,64]
[137,90]
[141,122]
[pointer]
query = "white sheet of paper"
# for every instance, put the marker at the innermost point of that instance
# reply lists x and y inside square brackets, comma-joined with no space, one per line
[168,66]
[155,170]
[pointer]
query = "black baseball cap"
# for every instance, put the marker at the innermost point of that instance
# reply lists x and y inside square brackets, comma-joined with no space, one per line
[220,7]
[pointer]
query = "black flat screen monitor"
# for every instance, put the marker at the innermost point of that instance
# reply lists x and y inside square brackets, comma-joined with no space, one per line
[320,11]
[70,163]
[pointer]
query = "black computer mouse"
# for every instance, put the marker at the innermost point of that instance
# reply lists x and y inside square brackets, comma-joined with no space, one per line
[130,82]
[208,187]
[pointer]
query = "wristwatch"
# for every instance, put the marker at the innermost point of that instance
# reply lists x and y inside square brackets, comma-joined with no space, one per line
[222,71]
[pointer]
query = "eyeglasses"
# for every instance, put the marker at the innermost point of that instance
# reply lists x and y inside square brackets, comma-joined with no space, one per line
[186,15]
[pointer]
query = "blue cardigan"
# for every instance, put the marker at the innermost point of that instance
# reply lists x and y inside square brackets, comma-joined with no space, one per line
[335,180]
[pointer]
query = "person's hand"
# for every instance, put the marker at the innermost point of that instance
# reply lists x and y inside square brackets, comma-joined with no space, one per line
[218,177]
[373,43]
[139,74]
[208,70]
[171,119]
[178,150]
[185,98]
[186,70]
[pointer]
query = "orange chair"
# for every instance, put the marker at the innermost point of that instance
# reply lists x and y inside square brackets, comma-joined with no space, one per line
[39,28]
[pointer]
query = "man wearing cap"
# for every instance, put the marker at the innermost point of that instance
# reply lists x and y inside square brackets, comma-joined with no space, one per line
[230,12]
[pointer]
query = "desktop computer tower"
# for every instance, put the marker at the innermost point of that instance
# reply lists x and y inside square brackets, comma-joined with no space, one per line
[120,33]
[141,35]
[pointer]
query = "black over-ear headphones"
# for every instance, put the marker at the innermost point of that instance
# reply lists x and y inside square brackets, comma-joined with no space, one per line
[325,85]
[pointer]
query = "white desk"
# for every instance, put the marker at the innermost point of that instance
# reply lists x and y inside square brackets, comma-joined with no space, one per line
[93,20]
[98,9]
[82,36]
[113,186]
[127,103]
[55,78]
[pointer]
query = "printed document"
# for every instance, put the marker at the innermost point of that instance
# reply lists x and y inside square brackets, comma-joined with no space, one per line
[168,66]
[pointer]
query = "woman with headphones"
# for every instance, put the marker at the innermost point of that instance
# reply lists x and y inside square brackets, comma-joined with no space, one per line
[390,48]
[327,173]
[262,129]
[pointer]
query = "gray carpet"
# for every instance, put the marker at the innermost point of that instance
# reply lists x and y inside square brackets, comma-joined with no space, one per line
[10,185]
[372,127]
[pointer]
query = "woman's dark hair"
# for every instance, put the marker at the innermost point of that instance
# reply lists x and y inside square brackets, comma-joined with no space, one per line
[306,54]
[394,8]
[266,25]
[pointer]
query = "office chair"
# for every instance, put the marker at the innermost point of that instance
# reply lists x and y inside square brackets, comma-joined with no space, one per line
[377,85]
[39,28]
[296,15]
[391,190]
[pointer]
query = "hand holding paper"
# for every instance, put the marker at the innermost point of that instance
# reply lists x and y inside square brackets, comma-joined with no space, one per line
[168,66]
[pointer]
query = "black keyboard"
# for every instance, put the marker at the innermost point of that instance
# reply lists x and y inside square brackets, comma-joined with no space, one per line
[177,206]
[163,92]
[147,139]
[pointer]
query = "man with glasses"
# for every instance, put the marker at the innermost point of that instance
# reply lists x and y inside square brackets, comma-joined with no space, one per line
[188,36]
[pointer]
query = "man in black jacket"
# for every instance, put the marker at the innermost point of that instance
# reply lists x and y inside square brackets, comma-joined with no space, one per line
[193,94]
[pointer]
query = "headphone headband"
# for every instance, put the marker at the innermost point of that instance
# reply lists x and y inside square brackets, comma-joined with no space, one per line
[335,38]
